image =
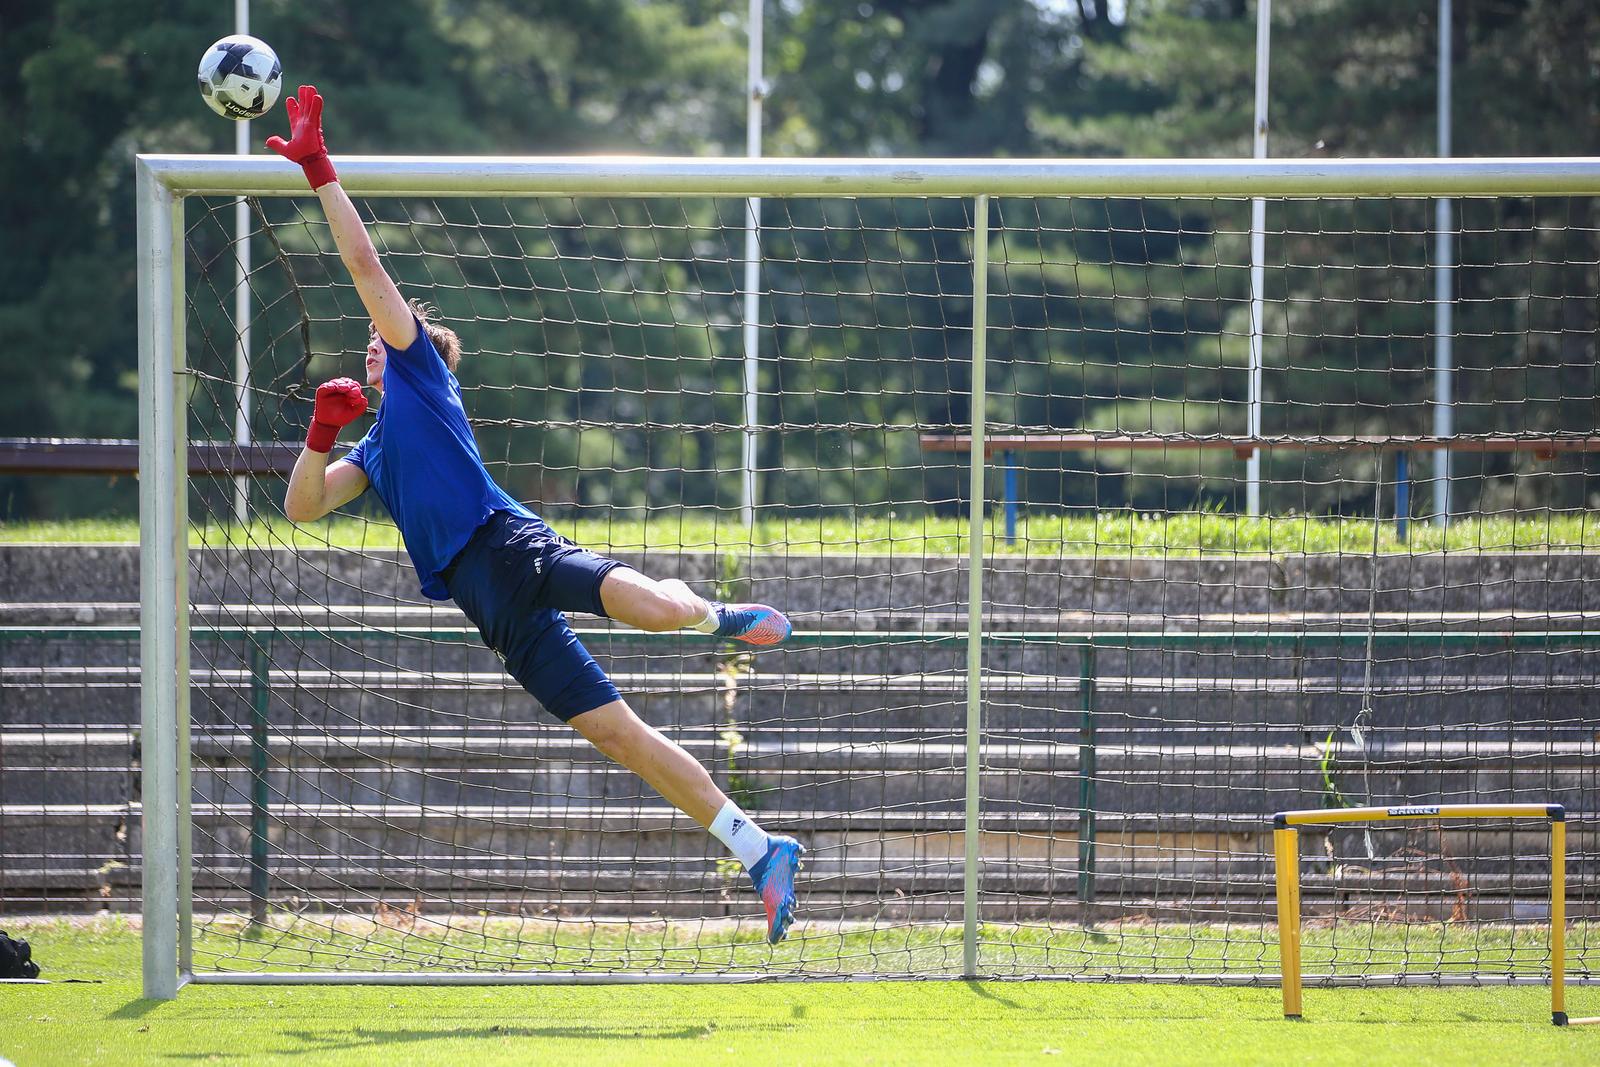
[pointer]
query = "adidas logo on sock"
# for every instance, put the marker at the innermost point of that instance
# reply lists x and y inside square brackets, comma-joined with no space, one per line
[738,824]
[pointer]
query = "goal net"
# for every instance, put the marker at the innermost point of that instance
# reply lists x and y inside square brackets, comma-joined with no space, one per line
[1158,670]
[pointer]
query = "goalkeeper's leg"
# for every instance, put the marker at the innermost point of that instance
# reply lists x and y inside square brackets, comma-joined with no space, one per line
[771,859]
[516,594]
[647,604]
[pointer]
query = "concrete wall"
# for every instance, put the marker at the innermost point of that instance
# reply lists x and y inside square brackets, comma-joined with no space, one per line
[1072,589]
[390,755]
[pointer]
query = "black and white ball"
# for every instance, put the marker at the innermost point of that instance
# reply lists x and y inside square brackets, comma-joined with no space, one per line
[240,77]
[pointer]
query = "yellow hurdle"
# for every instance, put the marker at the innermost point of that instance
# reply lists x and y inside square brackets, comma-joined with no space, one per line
[1286,851]
[1558,923]
[1286,854]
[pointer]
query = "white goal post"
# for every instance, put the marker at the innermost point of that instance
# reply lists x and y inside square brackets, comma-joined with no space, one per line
[166,182]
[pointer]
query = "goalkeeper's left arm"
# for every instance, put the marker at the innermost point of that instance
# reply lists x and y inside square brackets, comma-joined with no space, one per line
[317,487]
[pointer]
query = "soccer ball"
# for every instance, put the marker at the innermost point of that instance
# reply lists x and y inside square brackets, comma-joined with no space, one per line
[240,77]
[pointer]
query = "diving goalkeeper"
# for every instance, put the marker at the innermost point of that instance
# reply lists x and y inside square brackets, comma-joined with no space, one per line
[511,574]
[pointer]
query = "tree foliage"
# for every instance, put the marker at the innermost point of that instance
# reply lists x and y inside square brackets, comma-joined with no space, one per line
[86,85]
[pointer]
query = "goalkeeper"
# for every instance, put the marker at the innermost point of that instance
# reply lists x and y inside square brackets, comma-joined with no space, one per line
[508,570]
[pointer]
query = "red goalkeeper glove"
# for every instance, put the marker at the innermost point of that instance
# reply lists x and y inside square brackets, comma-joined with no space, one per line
[305,145]
[339,403]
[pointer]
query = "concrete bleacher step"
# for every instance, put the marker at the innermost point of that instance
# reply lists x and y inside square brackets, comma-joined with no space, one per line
[844,874]
[1142,707]
[1058,618]
[627,827]
[808,577]
[463,767]
[857,744]
[577,882]
[442,639]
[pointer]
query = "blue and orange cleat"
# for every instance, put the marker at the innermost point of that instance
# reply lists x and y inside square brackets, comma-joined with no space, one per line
[754,624]
[774,880]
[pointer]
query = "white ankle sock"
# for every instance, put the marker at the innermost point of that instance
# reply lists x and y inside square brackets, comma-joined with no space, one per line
[739,832]
[711,623]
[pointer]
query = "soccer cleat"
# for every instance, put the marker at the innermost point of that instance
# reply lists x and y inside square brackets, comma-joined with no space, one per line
[754,624]
[774,880]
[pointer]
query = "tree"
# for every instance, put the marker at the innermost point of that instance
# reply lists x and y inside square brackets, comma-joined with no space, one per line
[1114,314]
[87,85]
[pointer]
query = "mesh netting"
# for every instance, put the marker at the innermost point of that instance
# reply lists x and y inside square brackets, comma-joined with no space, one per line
[1161,672]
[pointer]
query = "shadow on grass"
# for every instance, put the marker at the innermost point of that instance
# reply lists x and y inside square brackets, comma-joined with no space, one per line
[318,1043]
[975,986]
[137,1009]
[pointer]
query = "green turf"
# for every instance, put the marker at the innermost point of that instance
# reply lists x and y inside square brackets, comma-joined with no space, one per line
[405,942]
[1108,533]
[105,1022]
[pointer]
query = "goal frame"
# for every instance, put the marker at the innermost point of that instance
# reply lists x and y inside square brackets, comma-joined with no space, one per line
[163,182]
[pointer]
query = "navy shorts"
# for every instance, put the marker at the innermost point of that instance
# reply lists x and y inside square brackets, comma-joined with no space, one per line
[515,581]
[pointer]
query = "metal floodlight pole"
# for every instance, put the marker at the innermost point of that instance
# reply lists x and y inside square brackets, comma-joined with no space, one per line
[241,298]
[757,89]
[1258,258]
[1443,284]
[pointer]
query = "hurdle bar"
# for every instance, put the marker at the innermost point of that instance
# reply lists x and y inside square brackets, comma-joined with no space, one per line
[1286,855]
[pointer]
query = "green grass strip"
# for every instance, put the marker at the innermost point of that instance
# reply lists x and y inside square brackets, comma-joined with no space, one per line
[1106,534]
[823,1024]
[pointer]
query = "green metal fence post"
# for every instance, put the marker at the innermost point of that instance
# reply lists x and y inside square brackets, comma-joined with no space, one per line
[1086,776]
[260,693]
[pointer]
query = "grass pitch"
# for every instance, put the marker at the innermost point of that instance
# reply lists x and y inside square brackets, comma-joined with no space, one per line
[1109,533]
[401,941]
[103,1021]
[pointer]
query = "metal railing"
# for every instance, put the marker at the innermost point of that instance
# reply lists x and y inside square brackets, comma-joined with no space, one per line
[109,455]
[1009,446]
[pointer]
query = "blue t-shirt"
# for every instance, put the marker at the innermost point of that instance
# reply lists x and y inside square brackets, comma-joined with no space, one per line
[423,462]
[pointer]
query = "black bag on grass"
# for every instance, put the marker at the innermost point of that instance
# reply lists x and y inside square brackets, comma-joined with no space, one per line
[16,958]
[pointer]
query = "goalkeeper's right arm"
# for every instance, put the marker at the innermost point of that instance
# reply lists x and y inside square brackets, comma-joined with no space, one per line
[307,147]
[317,487]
